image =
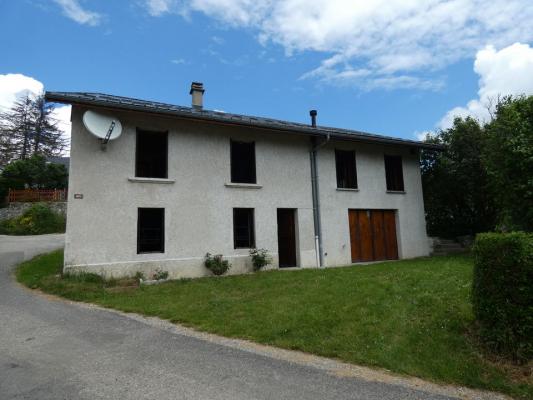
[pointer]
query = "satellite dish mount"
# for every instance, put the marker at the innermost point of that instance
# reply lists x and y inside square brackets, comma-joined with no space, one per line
[107,136]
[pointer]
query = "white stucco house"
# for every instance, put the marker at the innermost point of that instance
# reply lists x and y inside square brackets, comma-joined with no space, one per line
[183,181]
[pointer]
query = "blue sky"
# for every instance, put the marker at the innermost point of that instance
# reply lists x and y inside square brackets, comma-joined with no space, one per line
[279,61]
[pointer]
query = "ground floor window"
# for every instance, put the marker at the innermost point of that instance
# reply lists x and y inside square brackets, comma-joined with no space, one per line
[243,228]
[151,230]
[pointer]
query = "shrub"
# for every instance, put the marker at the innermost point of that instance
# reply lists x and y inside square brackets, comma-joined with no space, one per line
[260,258]
[216,264]
[36,220]
[139,275]
[159,274]
[502,293]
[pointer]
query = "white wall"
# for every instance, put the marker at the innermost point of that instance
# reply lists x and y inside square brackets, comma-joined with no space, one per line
[102,227]
[371,194]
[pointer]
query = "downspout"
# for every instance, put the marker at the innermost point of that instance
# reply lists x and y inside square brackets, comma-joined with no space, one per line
[316,193]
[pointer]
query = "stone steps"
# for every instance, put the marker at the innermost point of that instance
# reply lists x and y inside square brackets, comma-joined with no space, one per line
[443,247]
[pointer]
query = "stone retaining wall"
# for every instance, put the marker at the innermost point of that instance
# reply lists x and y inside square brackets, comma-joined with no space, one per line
[16,209]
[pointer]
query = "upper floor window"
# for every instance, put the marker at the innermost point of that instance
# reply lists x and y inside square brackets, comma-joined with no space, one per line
[151,155]
[346,170]
[394,173]
[243,162]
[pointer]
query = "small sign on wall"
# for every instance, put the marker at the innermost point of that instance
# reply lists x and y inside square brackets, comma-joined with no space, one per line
[78,195]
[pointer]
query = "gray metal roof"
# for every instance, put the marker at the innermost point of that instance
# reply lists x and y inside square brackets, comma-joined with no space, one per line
[126,103]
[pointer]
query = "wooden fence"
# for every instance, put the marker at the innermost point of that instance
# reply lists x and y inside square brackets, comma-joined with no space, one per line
[28,195]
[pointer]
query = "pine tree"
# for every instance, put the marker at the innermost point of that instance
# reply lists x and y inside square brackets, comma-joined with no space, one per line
[29,128]
[47,138]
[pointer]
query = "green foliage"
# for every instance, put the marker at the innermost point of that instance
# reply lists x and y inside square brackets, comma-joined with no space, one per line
[159,274]
[36,220]
[502,293]
[483,180]
[260,258]
[139,275]
[33,172]
[411,316]
[84,277]
[28,128]
[455,183]
[509,160]
[216,264]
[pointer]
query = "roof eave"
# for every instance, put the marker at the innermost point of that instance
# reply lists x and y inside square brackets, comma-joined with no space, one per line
[65,99]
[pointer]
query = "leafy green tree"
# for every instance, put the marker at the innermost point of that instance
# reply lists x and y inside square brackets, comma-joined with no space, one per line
[34,172]
[456,190]
[508,157]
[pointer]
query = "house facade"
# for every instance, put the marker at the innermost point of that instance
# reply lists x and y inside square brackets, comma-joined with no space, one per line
[180,182]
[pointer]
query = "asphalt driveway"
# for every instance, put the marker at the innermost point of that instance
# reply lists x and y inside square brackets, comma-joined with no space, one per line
[52,349]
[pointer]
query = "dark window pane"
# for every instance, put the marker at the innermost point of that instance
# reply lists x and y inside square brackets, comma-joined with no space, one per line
[243,228]
[151,230]
[243,162]
[346,171]
[394,173]
[151,154]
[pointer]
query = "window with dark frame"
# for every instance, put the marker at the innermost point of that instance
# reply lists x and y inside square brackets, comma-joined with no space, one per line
[151,155]
[346,170]
[243,162]
[151,230]
[243,228]
[394,173]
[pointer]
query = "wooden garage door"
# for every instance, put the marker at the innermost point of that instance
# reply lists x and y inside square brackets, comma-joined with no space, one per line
[373,235]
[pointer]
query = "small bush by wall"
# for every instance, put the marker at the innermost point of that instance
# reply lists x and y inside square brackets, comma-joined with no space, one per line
[36,220]
[502,293]
[260,258]
[216,264]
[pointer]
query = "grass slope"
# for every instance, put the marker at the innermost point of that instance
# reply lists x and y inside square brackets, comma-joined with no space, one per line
[411,317]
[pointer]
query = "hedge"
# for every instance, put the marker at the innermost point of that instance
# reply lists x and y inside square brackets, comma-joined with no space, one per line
[36,220]
[502,293]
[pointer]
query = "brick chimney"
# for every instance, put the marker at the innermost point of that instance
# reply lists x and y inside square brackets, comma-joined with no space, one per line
[197,92]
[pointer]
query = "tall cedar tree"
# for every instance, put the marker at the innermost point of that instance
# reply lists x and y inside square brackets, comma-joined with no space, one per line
[29,128]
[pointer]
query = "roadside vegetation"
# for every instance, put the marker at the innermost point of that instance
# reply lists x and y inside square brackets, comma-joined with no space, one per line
[36,220]
[412,317]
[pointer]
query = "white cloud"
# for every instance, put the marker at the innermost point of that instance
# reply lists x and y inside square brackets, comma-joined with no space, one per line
[422,135]
[508,71]
[178,61]
[158,7]
[73,10]
[394,40]
[16,86]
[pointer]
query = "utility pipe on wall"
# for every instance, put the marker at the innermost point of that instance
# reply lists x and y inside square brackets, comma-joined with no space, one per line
[316,193]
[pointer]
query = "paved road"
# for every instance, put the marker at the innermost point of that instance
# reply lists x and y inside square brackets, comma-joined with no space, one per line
[52,349]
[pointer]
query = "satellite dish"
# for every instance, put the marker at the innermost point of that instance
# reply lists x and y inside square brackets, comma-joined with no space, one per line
[104,127]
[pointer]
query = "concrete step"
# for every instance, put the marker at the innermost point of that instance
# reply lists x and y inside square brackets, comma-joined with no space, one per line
[449,246]
[438,252]
[445,241]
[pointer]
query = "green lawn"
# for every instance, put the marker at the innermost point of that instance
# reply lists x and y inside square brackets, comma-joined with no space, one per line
[411,317]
